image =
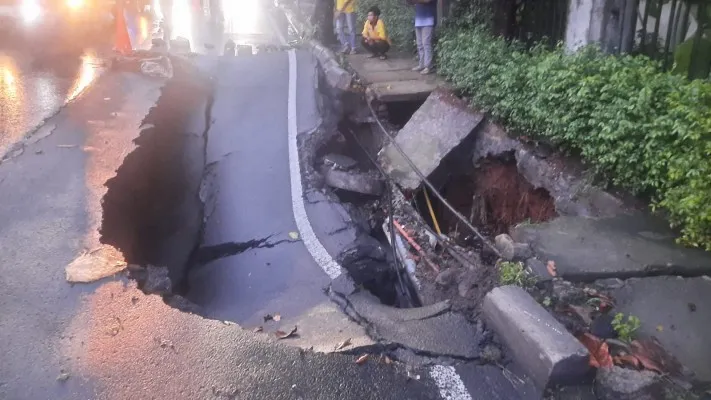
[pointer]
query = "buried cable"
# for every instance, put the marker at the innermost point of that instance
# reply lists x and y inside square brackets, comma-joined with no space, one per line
[429,185]
[432,213]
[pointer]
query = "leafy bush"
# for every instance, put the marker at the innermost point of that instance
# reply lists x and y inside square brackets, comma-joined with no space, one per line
[514,273]
[399,21]
[639,127]
[625,329]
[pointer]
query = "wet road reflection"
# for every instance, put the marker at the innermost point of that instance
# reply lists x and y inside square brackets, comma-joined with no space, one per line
[30,94]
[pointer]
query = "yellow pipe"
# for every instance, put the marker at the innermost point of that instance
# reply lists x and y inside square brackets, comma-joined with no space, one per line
[432,214]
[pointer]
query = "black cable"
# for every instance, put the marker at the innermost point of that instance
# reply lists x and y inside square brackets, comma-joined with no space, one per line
[405,289]
[429,185]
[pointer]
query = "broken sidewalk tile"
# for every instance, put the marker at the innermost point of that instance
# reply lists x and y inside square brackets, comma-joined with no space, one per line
[354,181]
[665,300]
[544,349]
[439,126]
[627,245]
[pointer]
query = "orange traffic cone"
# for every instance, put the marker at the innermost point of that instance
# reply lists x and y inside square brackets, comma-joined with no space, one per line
[123,40]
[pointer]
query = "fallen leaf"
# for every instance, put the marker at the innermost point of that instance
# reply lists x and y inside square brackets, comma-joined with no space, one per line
[258,329]
[388,361]
[294,235]
[276,317]
[660,328]
[551,268]
[362,359]
[599,352]
[63,377]
[284,335]
[66,146]
[343,344]
[628,360]
[654,357]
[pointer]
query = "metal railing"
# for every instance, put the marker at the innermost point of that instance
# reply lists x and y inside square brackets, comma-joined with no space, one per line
[675,32]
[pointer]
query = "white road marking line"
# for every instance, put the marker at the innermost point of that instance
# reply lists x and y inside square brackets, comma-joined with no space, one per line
[446,378]
[313,245]
[449,383]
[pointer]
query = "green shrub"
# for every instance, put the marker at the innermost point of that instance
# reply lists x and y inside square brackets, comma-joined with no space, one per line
[398,18]
[625,328]
[640,128]
[514,273]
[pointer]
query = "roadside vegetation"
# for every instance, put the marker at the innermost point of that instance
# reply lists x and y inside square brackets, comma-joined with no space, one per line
[514,273]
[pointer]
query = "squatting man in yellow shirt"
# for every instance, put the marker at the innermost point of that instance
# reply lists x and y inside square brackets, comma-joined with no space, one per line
[375,39]
[345,16]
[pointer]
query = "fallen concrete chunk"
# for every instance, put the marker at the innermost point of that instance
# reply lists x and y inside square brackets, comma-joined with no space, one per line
[354,181]
[437,128]
[339,161]
[539,344]
[626,384]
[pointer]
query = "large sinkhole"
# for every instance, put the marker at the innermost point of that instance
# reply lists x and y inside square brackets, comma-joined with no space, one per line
[152,212]
[370,261]
[493,196]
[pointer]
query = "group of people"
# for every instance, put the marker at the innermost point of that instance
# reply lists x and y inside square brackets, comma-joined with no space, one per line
[374,35]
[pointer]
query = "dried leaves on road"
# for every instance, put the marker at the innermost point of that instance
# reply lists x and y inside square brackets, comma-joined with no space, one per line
[285,335]
[551,268]
[362,359]
[599,351]
[343,344]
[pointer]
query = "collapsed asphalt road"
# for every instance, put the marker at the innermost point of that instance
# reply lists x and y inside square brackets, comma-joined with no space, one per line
[199,174]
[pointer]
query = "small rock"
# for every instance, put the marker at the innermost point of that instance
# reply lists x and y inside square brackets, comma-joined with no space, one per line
[538,269]
[491,353]
[626,384]
[506,247]
[446,277]
[157,281]
[522,251]
[567,293]
[63,377]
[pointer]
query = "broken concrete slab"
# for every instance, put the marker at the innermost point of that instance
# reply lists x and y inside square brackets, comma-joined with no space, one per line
[675,310]
[625,246]
[437,128]
[393,79]
[432,331]
[370,182]
[339,161]
[325,329]
[542,347]
[626,384]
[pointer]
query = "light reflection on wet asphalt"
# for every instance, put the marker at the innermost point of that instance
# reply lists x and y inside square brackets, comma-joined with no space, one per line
[33,87]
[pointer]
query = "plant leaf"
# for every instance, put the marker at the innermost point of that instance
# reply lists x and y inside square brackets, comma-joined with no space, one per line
[599,352]
[551,268]
[343,344]
[294,235]
[362,359]
[284,335]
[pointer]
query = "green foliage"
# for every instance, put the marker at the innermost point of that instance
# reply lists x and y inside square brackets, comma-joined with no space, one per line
[640,128]
[398,17]
[514,273]
[625,328]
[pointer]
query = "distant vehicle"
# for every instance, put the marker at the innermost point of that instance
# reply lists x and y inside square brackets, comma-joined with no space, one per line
[39,24]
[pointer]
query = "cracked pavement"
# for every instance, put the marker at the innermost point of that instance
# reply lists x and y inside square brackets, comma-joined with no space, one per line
[109,340]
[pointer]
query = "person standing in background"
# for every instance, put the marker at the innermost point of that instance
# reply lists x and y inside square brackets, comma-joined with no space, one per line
[425,21]
[344,16]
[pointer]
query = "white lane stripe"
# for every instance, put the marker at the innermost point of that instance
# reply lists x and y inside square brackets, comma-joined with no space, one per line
[449,383]
[446,378]
[313,245]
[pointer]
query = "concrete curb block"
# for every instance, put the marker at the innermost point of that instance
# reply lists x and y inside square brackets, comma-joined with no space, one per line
[540,344]
[336,76]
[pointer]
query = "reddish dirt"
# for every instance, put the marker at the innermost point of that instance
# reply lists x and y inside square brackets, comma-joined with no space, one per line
[495,197]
